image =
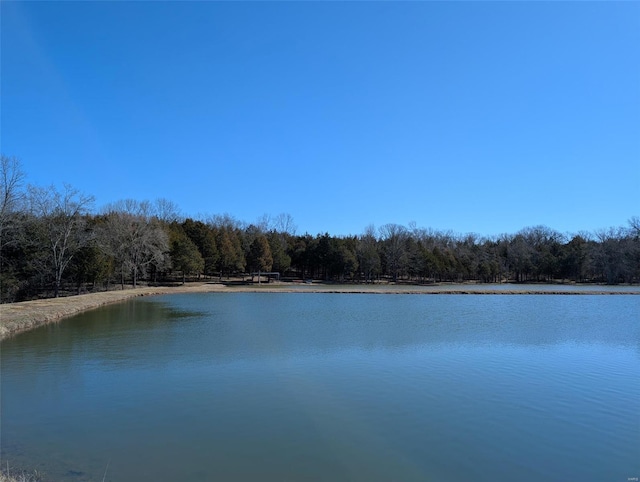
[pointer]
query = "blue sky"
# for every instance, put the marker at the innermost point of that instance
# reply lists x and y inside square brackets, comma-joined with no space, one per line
[482,117]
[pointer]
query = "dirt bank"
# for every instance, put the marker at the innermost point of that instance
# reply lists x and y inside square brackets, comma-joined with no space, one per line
[19,317]
[23,316]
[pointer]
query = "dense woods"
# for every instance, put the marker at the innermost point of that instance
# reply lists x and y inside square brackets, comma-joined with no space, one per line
[53,242]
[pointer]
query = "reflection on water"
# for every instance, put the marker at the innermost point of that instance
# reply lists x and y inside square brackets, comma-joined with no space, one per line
[253,386]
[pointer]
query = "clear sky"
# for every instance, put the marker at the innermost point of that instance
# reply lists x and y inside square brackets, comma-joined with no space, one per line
[482,117]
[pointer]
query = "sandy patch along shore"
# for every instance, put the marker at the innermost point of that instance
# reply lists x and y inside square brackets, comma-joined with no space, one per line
[18,317]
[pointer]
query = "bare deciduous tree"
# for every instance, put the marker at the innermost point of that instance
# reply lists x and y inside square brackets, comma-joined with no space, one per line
[283,223]
[11,197]
[11,206]
[393,238]
[61,216]
[367,252]
[167,211]
[134,237]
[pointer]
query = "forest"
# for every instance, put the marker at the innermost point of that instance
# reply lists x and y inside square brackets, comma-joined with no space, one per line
[54,243]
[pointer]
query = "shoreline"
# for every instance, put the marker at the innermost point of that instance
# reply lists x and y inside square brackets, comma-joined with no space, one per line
[26,315]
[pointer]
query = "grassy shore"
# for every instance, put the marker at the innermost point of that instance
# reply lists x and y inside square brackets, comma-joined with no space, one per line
[18,317]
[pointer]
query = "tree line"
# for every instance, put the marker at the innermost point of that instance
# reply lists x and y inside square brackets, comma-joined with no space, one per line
[53,242]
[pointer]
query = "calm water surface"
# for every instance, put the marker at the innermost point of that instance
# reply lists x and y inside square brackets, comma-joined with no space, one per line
[250,386]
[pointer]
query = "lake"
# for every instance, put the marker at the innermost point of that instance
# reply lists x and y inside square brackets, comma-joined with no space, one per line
[301,386]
